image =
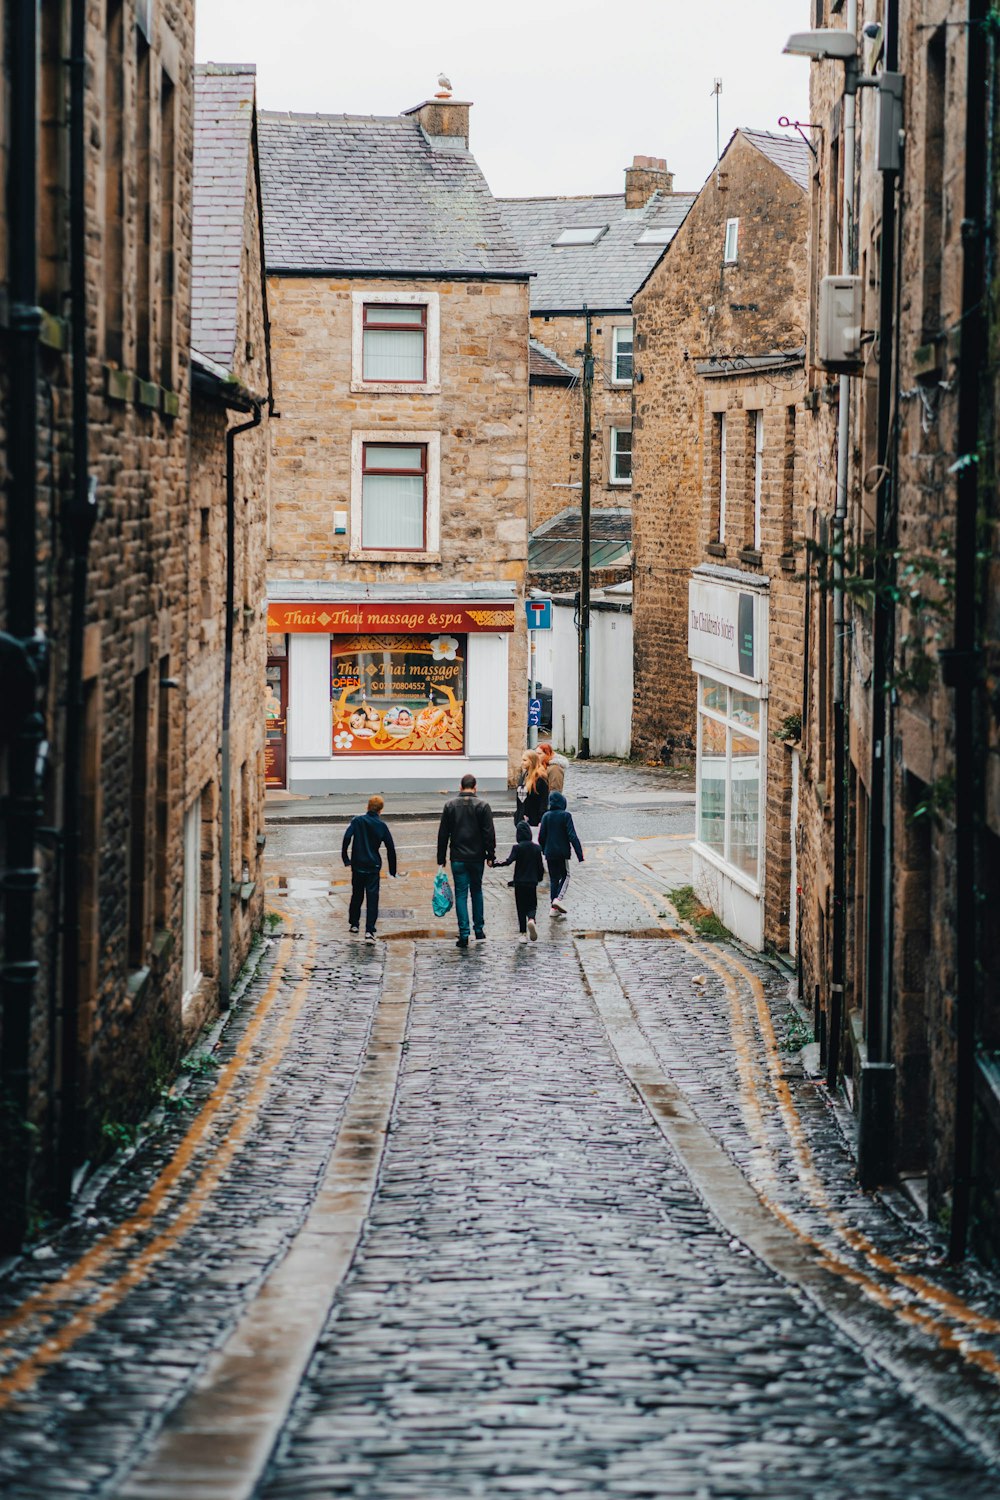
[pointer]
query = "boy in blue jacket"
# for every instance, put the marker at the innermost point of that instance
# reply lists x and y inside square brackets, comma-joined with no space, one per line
[529,871]
[365,834]
[556,838]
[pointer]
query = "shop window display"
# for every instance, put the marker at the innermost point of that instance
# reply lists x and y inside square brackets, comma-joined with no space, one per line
[398,694]
[729,769]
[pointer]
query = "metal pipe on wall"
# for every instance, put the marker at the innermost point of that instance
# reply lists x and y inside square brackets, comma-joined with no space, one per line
[226,835]
[21,646]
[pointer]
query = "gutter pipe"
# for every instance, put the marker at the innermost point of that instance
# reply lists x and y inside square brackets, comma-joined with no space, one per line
[80,523]
[837,967]
[21,646]
[226,840]
[961,664]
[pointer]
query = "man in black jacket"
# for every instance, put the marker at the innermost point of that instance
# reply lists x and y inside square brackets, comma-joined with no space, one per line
[365,834]
[467,825]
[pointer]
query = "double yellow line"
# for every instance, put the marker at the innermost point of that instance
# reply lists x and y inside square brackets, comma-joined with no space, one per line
[37,1313]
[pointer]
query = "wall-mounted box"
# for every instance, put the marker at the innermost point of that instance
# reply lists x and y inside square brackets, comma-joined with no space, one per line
[839,323]
[340,523]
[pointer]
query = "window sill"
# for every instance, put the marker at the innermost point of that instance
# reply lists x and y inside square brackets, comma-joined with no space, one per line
[619,484]
[787,562]
[137,984]
[395,388]
[357,554]
[716,549]
[751,557]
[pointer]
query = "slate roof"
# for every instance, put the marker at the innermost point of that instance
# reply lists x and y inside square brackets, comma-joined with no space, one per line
[224,95]
[789,152]
[545,365]
[603,275]
[607,524]
[365,194]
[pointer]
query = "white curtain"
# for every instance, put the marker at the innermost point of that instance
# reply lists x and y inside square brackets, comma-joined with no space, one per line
[393,353]
[393,511]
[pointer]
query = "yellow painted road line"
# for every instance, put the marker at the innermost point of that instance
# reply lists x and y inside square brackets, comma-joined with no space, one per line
[23,1376]
[919,1286]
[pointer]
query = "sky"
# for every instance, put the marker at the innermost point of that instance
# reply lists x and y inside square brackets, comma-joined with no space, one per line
[566,92]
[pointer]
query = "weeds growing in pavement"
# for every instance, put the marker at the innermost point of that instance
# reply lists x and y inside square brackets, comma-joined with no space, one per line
[690,908]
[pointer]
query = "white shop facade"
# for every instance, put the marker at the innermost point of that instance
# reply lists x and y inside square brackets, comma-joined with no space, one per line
[387,690]
[727,647]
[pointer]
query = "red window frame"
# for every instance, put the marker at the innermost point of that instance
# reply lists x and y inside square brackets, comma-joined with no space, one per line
[422,471]
[383,326]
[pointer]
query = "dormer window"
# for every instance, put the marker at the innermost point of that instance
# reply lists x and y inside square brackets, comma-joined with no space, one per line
[581,234]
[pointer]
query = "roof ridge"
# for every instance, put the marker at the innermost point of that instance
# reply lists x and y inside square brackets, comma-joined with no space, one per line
[281,116]
[214,69]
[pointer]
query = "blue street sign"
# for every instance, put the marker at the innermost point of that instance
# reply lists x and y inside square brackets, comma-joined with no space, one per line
[539,612]
[534,712]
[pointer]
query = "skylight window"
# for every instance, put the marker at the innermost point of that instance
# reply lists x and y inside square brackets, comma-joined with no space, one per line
[657,234]
[581,234]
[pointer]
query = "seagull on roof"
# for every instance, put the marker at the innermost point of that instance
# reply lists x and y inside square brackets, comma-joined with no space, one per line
[444,82]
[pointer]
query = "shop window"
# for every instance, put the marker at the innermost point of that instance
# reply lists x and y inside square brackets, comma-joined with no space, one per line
[620,456]
[395,494]
[394,344]
[395,341]
[394,497]
[729,774]
[621,356]
[398,694]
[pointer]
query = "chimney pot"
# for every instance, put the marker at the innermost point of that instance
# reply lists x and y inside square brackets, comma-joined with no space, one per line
[647,175]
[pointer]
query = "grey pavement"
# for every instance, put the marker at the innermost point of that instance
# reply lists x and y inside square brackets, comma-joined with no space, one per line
[536,1298]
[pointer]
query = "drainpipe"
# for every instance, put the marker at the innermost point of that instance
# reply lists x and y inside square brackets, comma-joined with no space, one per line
[961,664]
[226,841]
[20,646]
[80,523]
[837,967]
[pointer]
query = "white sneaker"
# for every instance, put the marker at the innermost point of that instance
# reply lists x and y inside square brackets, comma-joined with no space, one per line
[369,937]
[522,937]
[558,906]
[532,930]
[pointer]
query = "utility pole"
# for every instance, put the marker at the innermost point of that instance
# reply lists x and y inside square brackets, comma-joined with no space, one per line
[583,739]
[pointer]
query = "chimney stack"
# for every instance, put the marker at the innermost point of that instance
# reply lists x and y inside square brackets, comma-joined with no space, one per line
[647,175]
[444,120]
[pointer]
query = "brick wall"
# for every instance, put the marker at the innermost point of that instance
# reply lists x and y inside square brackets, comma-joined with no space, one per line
[481,413]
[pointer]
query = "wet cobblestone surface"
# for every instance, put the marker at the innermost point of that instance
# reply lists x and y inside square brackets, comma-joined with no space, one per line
[541,1304]
[88,1416]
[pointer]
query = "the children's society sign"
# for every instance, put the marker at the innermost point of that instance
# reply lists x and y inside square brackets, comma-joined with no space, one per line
[724,627]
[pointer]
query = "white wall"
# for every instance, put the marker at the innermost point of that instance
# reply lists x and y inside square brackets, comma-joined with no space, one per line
[557,667]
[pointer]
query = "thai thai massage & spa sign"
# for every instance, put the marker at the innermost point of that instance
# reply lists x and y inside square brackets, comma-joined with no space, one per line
[398,694]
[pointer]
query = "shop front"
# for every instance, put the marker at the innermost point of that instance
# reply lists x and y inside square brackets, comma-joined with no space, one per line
[387,694]
[727,647]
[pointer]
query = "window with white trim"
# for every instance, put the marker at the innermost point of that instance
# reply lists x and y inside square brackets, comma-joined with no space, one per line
[394,343]
[758,476]
[620,456]
[730,251]
[394,497]
[729,774]
[621,355]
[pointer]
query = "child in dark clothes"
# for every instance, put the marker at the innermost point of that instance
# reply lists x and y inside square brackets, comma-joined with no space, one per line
[557,838]
[526,857]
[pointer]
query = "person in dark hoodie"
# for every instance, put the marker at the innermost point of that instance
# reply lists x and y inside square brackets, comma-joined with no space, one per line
[529,870]
[556,838]
[365,834]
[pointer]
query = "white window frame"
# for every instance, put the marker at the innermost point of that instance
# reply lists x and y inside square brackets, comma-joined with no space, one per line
[731,243]
[723,861]
[758,478]
[722,476]
[616,332]
[432,530]
[432,302]
[613,454]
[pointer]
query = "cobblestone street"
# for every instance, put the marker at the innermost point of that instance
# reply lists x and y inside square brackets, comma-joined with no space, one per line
[566,1219]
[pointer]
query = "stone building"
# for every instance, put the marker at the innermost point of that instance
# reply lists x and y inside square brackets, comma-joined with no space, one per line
[95,374]
[230,359]
[900,812]
[398,541]
[719,354]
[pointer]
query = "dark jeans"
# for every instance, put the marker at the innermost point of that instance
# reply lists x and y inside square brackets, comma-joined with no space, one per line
[558,875]
[526,897]
[468,874]
[363,883]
